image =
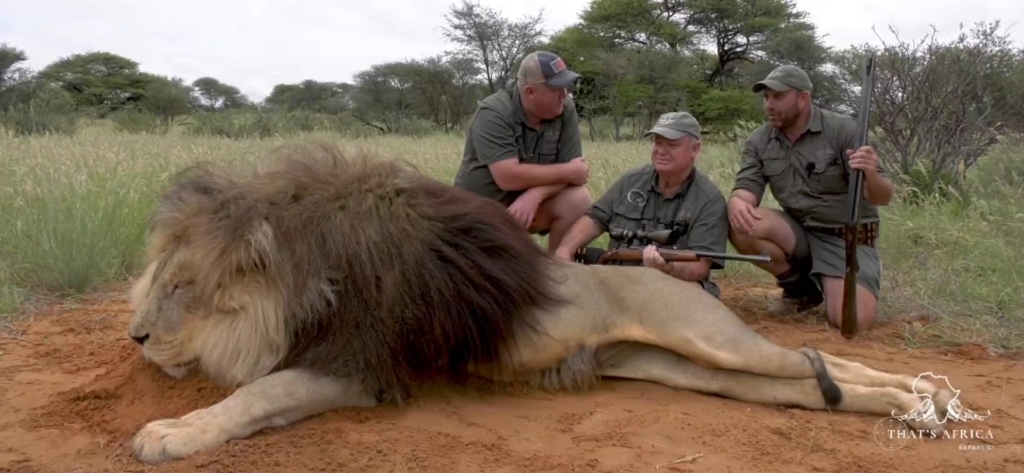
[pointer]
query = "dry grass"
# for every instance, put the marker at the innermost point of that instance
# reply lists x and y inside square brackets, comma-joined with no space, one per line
[73,213]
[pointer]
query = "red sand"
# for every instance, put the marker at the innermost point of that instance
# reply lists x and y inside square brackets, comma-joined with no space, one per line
[74,391]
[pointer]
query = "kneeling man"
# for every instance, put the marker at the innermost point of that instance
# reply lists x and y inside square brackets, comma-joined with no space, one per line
[668,193]
[805,154]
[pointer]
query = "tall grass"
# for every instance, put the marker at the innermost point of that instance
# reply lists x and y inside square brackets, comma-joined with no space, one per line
[73,215]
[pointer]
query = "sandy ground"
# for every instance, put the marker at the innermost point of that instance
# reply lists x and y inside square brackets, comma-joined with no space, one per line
[73,390]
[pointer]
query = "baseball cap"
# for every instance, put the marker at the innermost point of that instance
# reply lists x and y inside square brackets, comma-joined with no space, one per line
[785,78]
[675,125]
[542,67]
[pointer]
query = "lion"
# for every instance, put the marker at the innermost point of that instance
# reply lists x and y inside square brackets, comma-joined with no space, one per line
[336,280]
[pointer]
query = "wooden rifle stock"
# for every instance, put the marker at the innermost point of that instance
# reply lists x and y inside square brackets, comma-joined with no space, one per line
[637,254]
[848,326]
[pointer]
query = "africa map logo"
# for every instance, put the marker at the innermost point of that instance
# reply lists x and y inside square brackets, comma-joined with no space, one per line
[892,433]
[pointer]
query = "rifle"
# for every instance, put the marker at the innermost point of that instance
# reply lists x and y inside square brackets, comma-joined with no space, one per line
[663,237]
[848,327]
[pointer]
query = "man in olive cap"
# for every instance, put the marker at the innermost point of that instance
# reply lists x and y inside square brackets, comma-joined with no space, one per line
[805,154]
[667,193]
[524,150]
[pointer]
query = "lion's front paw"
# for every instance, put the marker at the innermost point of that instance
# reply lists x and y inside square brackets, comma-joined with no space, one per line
[174,439]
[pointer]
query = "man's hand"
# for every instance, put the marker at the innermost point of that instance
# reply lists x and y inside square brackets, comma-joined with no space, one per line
[578,171]
[742,215]
[865,160]
[653,259]
[524,209]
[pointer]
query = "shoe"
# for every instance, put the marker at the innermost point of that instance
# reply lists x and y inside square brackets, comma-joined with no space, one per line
[790,304]
[799,294]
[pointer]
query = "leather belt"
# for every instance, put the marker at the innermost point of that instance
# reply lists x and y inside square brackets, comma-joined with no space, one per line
[867,233]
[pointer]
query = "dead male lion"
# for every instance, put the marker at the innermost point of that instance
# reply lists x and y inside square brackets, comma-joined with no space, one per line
[330,282]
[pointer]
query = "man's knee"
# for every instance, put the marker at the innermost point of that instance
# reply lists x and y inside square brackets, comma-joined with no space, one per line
[867,301]
[832,265]
[772,227]
[571,203]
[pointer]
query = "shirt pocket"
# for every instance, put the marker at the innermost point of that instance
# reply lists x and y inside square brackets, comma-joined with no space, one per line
[827,173]
[547,149]
[627,213]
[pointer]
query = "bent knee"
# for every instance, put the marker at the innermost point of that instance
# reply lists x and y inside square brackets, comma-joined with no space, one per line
[572,202]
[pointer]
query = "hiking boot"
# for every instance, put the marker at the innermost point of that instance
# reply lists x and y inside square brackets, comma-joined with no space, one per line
[790,304]
[799,294]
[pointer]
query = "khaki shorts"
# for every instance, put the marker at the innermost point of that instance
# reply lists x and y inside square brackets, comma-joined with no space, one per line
[820,254]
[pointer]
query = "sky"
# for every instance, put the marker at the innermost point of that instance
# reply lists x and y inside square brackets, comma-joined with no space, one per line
[256,44]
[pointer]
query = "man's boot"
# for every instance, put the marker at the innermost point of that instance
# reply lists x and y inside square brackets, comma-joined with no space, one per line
[799,293]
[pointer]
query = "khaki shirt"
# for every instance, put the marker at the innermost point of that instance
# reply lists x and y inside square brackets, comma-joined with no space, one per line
[698,210]
[809,179]
[499,132]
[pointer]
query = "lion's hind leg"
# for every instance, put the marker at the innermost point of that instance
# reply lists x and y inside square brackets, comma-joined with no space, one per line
[655,364]
[275,400]
[856,373]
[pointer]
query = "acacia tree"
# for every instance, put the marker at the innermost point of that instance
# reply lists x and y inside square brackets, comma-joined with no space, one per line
[935,105]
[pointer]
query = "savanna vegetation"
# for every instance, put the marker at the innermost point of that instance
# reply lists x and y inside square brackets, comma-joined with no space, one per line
[87,141]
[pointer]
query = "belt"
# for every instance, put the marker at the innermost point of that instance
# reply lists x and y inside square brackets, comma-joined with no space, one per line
[867,233]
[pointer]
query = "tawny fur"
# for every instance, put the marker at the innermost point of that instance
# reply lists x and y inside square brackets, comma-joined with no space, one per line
[349,266]
[331,281]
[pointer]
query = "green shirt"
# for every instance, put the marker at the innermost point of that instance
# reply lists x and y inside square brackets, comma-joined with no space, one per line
[500,130]
[810,178]
[698,210]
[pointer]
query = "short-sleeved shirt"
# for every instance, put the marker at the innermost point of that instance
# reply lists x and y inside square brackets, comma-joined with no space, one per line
[500,130]
[810,179]
[697,210]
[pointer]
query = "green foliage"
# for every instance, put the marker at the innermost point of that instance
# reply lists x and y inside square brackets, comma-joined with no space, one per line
[137,121]
[98,82]
[40,109]
[268,124]
[719,110]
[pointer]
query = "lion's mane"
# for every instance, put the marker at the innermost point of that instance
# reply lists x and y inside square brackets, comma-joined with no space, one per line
[379,271]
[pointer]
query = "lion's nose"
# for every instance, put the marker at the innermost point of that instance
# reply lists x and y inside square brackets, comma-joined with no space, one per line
[140,339]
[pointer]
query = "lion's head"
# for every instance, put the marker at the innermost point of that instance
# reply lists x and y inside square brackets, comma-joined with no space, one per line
[208,294]
[354,267]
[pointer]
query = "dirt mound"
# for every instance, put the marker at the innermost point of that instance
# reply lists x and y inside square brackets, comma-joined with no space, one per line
[74,391]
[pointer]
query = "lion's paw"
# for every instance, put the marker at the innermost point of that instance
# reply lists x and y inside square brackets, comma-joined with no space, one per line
[173,439]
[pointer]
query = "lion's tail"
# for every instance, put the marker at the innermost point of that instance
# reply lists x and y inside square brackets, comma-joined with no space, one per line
[829,389]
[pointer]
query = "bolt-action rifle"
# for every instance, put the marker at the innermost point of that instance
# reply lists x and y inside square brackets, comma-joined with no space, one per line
[636,240]
[848,326]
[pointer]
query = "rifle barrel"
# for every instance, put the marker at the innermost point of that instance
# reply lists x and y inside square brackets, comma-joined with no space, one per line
[733,257]
[636,254]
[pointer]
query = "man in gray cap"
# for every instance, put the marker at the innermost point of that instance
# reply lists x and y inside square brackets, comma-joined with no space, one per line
[523,149]
[667,193]
[805,154]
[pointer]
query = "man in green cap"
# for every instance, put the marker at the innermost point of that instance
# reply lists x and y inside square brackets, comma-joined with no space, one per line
[805,154]
[523,149]
[668,193]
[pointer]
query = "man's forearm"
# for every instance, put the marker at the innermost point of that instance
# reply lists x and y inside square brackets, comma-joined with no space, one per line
[584,231]
[545,192]
[879,190]
[746,196]
[689,270]
[524,176]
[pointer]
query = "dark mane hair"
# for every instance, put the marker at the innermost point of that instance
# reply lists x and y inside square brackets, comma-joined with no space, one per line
[384,272]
